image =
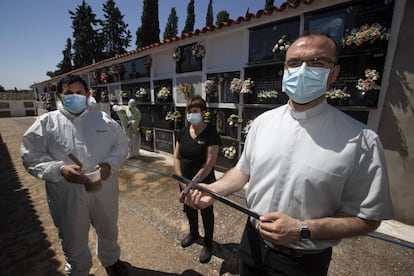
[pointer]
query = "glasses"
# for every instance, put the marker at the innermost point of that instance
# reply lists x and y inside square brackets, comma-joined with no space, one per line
[312,62]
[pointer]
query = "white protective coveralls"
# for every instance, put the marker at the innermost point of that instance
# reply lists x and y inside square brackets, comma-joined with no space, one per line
[94,138]
[130,117]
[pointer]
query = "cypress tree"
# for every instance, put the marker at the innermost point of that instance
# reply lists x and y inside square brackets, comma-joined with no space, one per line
[88,43]
[116,35]
[190,21]
[269,4]
[149,31]
[65,65]
[171,29]
[209,16]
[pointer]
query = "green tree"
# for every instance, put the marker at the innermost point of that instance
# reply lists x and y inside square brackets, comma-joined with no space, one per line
[88,43]
[115,33]
[2,88]
[269,4]
[149,31]
[190,20]
[209,16]
[222,16]
[66,64]
[171,28]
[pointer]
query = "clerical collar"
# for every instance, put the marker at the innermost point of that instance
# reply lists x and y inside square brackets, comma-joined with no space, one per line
[310,113]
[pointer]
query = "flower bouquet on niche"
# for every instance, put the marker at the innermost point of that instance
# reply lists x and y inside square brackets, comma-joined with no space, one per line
[176,54]
[148,135]
[229,152]
[198,50]
[281,46]
[208,86]
[184,88]
[368,86]
[163,94]
[207,117]
[247,127]
[173,116]
[366,36]
[236,86]
[141,94]
[267,95]
[247,86]
[234,121]
[338,96]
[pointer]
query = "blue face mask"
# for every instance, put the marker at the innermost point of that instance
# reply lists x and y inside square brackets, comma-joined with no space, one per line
[305,84]
[74,103]
[194,118]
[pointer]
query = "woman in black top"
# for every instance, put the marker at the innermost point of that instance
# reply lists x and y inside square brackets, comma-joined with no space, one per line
[195,156]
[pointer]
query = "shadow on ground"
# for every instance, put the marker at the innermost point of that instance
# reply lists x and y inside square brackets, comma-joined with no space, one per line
[24,245]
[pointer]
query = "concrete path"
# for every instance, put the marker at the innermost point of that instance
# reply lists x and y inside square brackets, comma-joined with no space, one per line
[151,224]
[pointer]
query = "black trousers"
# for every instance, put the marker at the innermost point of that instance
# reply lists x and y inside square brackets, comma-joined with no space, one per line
[207,215]
[256,258]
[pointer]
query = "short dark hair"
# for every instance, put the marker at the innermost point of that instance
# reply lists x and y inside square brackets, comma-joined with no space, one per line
[68,80]
[196,101]
[326,35]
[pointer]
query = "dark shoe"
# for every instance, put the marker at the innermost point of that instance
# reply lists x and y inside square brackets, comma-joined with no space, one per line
[189,240]
[119,268]
[205,255]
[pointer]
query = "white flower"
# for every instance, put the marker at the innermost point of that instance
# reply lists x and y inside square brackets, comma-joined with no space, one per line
[164,93]
[229,152]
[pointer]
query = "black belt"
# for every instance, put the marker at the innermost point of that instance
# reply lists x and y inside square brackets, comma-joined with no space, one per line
[292,251]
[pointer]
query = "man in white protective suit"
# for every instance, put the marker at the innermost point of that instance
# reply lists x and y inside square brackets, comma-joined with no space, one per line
[130,117]
[98,143]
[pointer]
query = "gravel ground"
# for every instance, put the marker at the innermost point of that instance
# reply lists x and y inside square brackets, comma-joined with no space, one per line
[151,224]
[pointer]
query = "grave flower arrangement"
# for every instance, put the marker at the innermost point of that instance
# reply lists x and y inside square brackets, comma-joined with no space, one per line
[173,116]
[236,86]
[365,34]
[198,50]
[163,93]
[177,54]
[247,86]
[368,84]
[208,86]
[184,88]
[282,45]
[207,117]
[234,121]
[141,93]
[229,152]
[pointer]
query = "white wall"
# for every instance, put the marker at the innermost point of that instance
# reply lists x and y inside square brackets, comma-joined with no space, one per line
[16,107]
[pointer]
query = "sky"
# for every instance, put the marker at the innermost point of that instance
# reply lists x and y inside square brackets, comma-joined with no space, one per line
[33,33]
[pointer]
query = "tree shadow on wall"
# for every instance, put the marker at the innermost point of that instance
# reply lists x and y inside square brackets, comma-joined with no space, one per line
[397,101]
[24,245]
